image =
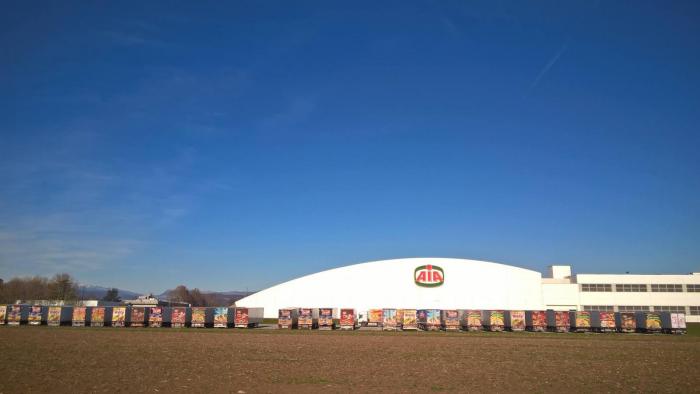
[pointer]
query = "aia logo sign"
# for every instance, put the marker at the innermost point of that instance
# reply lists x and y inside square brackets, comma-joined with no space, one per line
[429,276]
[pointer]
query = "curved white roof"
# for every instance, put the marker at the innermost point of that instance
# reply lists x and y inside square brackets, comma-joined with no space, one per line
[390,284]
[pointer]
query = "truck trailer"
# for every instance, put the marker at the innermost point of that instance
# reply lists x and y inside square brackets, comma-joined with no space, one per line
[326,318]
[308,318]
[581,321]
[375,317]
[515,320]
[493,320]
[626,322]
[473,320]
[288,318]
[449,320]
[247,317]
[410,320]
[558,321]
[347,319]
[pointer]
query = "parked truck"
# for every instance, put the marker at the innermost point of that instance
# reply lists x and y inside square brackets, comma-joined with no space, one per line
[536,321]
[648,322]
[678,325]
[288,318]
[137,316]
[429,319]
[493,320]
[155,317]
[389,319]
[515,320]
[558,321]
[34,315]
[347,319]
[626,322]
[473,320]
[326,318]
[247,317]
[308,318]
[410,320]
[449,320]
[199,317]
[375,317]
[581,321]
[178,317]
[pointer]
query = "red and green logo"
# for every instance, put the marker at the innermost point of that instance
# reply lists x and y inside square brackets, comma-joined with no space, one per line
[429,276]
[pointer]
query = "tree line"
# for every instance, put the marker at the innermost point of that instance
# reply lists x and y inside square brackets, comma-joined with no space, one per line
[195,297]
[61,287]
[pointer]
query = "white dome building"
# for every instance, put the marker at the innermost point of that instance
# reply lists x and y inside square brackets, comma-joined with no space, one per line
[420,283]
[440,283]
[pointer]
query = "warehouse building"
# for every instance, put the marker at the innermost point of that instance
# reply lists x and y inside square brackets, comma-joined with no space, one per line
[442,283]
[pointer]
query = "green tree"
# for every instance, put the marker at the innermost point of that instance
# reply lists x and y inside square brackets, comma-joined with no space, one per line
[62,287]
[112,295]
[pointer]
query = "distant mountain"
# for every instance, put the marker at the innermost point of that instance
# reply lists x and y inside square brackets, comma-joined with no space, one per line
[90,292]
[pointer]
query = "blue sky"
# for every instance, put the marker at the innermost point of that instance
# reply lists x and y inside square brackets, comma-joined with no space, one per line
[233,146]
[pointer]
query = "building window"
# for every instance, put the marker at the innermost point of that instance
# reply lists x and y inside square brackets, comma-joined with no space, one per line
[673,309]
[600,308]
[695,310]
[693,288]
[632,308]
[666,288]
[631,288]
[595,287]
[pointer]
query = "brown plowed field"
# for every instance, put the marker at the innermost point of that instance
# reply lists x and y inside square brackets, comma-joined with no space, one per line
[49,359]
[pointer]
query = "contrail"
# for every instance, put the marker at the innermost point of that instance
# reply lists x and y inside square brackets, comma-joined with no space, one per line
[549,65]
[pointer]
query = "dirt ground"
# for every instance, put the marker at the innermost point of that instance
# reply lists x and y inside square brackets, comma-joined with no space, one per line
[65,359]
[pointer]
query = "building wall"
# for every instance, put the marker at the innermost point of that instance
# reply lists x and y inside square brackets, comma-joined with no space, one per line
[469,284]
[648,299]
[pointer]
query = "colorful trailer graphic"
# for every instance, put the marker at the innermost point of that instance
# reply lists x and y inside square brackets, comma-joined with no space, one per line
[450,320]
[325,318]
[14,315]
[607,322]
[678,325]
[155,317]
[138,316]
[34,315]
[496,321]
[429,319]
[399,319]
[517,320]
[538,321]
[347,319]
[119,316]
[474,320]
[178,317]
[583,321]
[54,316]
[561,321]
[306,318]
[220,317]
[410,321]
[198,317]
[78,318]
[375,317]
[240,318]
[389,319]
[628,323]
[97,317]
[287,318]
[3,314]
[652,322]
